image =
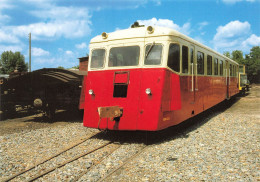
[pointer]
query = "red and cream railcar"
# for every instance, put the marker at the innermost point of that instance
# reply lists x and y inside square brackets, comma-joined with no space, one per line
[150,78]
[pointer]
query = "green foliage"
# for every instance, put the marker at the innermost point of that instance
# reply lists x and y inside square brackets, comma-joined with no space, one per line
[251,61]
[238,56]
[10,61]
[227,54]
[75,67]
[60,67]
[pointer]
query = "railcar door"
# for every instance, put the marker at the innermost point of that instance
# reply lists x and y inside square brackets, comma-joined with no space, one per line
[193,72]
[227,79]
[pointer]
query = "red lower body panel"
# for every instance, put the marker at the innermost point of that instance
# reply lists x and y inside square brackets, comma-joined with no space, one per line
[173,98]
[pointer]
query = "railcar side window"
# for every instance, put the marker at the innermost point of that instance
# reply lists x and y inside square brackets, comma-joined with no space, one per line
[124,56]
[209,65]
[221,68]
[200,63]
[185,61]
[215,66]
[97,58]
[174,57]
[191,55]
[153,55]
[230,69]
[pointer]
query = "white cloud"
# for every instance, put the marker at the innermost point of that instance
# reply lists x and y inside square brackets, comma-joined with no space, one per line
[231,1]
[4,4]
[54,22]
[7,37]
[13,48]
[43,61]
[235,35]
[253,40]
[83,45]
[39,52]
[157,2]
[202,25]
[232,29]
[235,1]
[69,52]
[68,22]
[185,28]
[4,18]
[67,29]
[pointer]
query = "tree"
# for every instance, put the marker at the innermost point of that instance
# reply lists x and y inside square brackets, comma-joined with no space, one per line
[75,67]
[60,67]
[227,54]
[12,61]
[238,56]
[252,62]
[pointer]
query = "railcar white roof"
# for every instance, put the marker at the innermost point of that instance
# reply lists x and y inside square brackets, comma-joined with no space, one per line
[141,32]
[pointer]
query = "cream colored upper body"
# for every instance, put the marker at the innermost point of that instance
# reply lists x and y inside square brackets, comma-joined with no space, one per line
[143,36]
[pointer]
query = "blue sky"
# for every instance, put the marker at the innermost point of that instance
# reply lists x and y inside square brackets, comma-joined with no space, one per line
[62,29]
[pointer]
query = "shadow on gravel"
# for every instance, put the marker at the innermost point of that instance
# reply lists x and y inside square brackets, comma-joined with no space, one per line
[14,114]
[74,116]
[181,130]
[40,117]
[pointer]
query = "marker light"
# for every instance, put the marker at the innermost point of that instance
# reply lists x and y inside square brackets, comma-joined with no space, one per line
[104,35]
[91,92]
[148,91]
[150,29]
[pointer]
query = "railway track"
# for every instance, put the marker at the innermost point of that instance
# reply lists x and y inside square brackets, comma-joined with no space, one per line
[127,160]
[82,140]
[25,174]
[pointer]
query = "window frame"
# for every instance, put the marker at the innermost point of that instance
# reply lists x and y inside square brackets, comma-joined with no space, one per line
[221,68]
[120,46]
[144,53]
[176,43]
[216,66]
[104,63]
[203,61]
[211,72]
[188,59]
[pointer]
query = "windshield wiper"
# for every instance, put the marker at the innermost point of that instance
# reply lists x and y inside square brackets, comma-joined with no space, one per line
[148,52]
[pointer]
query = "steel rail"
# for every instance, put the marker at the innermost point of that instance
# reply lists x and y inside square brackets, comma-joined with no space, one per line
[49,158]
[68,161]
[125,162]
[96,163]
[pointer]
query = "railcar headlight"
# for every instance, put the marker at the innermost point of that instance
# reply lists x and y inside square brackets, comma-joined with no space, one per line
[148,91]
[91,92]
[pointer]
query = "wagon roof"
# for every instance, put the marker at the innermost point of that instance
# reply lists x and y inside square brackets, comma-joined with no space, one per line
[141,32]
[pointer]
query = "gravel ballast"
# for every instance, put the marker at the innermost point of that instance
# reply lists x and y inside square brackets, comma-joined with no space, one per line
[221,145]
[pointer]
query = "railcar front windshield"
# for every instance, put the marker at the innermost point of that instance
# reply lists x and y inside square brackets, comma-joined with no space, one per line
[124,56]
[153,54]
[243,80]
[97,58]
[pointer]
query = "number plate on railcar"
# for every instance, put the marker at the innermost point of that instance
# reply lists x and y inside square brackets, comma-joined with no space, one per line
[110,112]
